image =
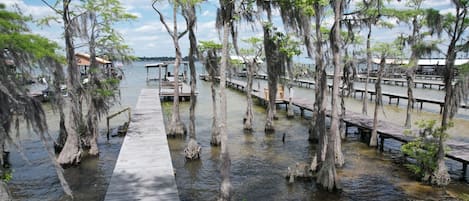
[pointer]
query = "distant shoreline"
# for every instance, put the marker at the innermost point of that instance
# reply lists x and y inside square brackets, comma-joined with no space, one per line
[162,58]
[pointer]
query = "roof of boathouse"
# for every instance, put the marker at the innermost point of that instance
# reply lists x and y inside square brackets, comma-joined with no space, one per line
[242,60]
[422,62]
[164,64]
[84,59]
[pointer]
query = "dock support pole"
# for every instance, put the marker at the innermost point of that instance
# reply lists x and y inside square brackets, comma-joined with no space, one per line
[381,148]
[464,171]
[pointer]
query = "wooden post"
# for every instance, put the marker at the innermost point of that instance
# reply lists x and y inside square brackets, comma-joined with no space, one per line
[114,115]
[381,148]
[464,171]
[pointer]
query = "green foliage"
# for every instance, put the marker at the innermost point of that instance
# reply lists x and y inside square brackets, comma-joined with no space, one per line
[6,176]
[14,37]
[209,45]
[425,149]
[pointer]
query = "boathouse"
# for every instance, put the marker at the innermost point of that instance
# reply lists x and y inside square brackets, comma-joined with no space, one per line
[84,62]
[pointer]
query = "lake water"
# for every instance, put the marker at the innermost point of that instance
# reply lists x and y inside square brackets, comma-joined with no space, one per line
[259,161]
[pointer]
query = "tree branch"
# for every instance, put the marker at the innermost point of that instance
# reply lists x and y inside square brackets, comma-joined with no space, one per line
[162,20]
[51,7]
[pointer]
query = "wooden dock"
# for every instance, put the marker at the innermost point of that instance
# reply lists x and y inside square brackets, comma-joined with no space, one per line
[403,82]
[391,96]
[166,90]
[144,170]
[459,151]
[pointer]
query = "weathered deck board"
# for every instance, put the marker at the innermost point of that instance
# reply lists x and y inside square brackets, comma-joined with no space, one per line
[143,169]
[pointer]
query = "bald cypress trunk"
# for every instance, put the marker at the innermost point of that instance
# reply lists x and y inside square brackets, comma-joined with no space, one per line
[176,127]
[368,68]
[378,102]
[225,169]
[272,81]
[249,116]
[72,150]
[320,90]
[193,148]
[327,176]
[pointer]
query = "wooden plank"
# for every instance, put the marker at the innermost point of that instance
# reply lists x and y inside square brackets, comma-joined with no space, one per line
[144,170]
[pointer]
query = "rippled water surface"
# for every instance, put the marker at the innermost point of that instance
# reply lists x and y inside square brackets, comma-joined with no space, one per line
[259,161]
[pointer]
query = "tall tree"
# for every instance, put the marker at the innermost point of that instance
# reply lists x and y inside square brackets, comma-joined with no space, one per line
[419,46]
[226,15]
[368,14]
[176,126]
[208,53]
[72,150]
[21,52]
[98,32]
[288,49]
[275,67]
[383,50]
[455,27]
[251,57]
[188,11]
[327,176]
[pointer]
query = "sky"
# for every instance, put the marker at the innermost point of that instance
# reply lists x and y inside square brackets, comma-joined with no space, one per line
[148,37]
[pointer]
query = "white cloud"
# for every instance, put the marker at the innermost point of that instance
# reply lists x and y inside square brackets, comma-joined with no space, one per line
[448,10]
[39,11]
[149,28]
[207,13]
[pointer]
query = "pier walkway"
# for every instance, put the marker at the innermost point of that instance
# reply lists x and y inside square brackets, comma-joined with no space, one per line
[459,151]
[144,170]
[392,96]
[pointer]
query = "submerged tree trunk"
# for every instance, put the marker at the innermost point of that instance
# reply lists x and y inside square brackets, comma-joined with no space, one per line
[58,100]
[225,169]
[176,127]
[72,150]
[410,74]
[440,175]
[193,148]
[93,99]
[378,102]
[327,176]
[270,55]
[249,116]
[215,139]
[290,113]
[368,68]
[320,89]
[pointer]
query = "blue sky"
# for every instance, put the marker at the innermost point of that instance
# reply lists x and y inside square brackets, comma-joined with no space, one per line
[148,37]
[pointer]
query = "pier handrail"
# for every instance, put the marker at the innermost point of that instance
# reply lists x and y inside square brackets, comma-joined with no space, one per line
[128,109]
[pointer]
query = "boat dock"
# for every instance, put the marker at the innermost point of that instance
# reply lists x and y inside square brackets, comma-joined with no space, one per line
[144,170]
[166,91]
[459,151]
[392,96]
[403,82]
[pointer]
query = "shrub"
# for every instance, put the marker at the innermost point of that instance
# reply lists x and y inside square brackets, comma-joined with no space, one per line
[424,149]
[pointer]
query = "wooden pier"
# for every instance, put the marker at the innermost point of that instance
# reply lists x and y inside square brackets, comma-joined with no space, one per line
[459,151]
[144,170]
[403,82]
[391,96]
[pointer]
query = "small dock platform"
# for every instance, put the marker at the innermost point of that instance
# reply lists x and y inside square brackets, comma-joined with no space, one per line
[166,90]
[144,170]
